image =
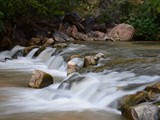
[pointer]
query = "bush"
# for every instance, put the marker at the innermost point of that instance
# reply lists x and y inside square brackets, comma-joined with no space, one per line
[115,11]
[146,28]
[144,19]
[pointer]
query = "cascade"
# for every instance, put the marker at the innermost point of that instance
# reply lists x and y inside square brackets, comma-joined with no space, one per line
[9,54]
[57,63]
[31,53]
[46,54]
[98,91]
[15,50]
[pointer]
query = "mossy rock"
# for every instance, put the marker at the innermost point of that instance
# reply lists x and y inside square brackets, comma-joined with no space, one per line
[40,79]
[39,50]
[131,100]
[154,88]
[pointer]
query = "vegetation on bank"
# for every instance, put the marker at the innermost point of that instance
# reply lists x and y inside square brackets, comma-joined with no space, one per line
[144,15]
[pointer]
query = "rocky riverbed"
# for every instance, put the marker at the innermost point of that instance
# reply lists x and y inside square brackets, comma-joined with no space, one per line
[93,92]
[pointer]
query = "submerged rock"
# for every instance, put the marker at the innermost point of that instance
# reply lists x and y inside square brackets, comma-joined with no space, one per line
[74,64]
[71,78]
[40,79]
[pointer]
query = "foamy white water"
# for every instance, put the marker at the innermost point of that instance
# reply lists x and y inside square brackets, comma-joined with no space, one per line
[94,91]
[32,52]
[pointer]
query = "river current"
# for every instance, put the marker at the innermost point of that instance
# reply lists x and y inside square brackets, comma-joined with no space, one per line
[127,67]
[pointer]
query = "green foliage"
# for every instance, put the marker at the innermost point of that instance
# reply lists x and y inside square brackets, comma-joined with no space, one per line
[87,8]
[146,28]
[144,19]
[117,9]
[10,10]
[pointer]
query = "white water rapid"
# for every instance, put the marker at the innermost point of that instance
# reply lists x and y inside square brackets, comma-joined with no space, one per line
[75,92]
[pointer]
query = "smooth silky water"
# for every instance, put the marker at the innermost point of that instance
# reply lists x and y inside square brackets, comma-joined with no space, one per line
[90,94]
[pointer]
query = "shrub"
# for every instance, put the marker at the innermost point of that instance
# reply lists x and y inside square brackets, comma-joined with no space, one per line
[146,28]
[144,19]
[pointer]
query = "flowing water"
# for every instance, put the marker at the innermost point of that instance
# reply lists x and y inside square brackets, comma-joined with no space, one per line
[89,94]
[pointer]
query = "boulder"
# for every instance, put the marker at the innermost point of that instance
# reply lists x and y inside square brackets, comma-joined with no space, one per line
[73,31]
[98,56]
[97,36]
[154,88]
[67,83]
[89,60]
[74,56]
[61,37]
[92,60]
[131,100]
[144,112]
[88,23]
[122,32]
[74,64]
[40,79]
[71,68]
[28,49]
[62,28]
[60,45]
[49,42]
[74,19]
[143,105]
[90,36]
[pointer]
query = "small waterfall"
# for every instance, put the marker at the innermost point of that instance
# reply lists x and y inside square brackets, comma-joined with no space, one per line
[31,53]
[15,50]
[73,48]
[102,89]
[78,61]
[76,91]
[4,55]
[58,63]
[46,54]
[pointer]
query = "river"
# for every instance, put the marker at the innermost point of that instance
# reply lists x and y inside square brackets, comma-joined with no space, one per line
[127,67]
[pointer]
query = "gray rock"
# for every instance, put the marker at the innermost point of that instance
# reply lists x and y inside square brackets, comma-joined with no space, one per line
[145,112]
